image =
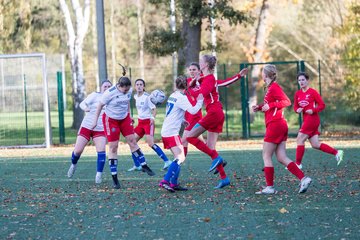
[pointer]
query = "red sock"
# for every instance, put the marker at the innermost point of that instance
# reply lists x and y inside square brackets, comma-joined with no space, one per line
[202,147]
[326,148]
[300,150]
[269,176]
[221,170]
[295,170]
[185,150]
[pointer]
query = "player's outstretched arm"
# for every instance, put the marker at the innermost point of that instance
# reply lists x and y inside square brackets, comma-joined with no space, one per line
[233,79]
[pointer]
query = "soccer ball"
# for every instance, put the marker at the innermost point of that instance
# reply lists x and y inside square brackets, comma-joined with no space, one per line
[157,97]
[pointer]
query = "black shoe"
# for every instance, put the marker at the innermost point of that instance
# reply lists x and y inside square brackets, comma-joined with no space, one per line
[224,164]
[178,188]
[115,181]
[145,168]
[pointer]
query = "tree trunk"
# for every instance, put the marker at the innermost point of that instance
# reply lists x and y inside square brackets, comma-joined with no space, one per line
[141,38]
[190,52]
[258,54]
[75,44]
[113,43]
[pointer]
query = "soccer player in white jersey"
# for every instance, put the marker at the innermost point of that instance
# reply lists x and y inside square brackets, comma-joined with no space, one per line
[116,120]
[146,123]
[177,105]
[86,132]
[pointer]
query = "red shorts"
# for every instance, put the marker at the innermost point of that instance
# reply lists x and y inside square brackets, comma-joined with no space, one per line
[172,141]
[276,132]
[310,128]
[88,134]
[192,119]
[213,120]
[144,128]
[113,127]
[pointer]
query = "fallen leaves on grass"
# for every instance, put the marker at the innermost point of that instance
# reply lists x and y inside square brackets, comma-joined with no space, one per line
[283,210]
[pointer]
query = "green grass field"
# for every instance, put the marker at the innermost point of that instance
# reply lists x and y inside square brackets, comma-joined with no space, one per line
[38,201]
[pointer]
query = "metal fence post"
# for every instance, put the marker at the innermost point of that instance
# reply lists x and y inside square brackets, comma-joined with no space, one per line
[60,108]
[244,104]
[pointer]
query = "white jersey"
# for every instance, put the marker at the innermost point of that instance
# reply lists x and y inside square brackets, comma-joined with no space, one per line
[92,102]
[117,103]
[176,106]
[144,106]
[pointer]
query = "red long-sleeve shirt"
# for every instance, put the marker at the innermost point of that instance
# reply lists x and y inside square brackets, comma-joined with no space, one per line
[277,101]
[209,89]
[310,99]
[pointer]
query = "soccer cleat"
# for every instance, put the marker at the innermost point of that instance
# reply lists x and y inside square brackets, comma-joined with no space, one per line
[166,164]
[304,185]
[266,191]
[71,170]
[223,183]
[165,184]
[145,168]
[98,177]
[224,164]
[177,187]
[116,183]
[218,160]
[339,156]
[135,168]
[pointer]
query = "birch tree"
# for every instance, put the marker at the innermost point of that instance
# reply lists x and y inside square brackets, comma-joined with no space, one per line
[258,51]
[76,34]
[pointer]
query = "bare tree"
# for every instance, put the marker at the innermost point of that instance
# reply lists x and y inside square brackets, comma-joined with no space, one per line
[75,44]
[141,36]
[258,51]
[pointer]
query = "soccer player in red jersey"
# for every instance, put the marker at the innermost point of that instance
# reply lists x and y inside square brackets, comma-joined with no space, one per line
[213,120]
[309,102]
[193,91]
[275,101]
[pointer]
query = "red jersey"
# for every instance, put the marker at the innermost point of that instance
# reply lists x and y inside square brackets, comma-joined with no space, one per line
[209,90]
[310,99]
[277,100]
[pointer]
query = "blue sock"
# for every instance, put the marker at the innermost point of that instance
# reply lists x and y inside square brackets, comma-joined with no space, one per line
[113,166]
[139,156]
[159,152]
[174,179]
[74,158]
[136,162]
[101,156]
[173,168]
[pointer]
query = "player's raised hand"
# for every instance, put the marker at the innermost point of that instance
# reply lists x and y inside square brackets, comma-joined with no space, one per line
[256,108]
[265,107]
[243,72]
[299,110]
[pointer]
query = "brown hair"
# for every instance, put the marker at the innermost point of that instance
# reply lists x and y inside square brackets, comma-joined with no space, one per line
[195,64]
[181,82]
[302,74]
[211,61]
[124,82]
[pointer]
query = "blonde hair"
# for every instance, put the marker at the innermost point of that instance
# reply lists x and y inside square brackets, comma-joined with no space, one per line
[270,72]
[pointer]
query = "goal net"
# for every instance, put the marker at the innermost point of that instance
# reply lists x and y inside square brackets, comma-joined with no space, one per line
[24,101]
